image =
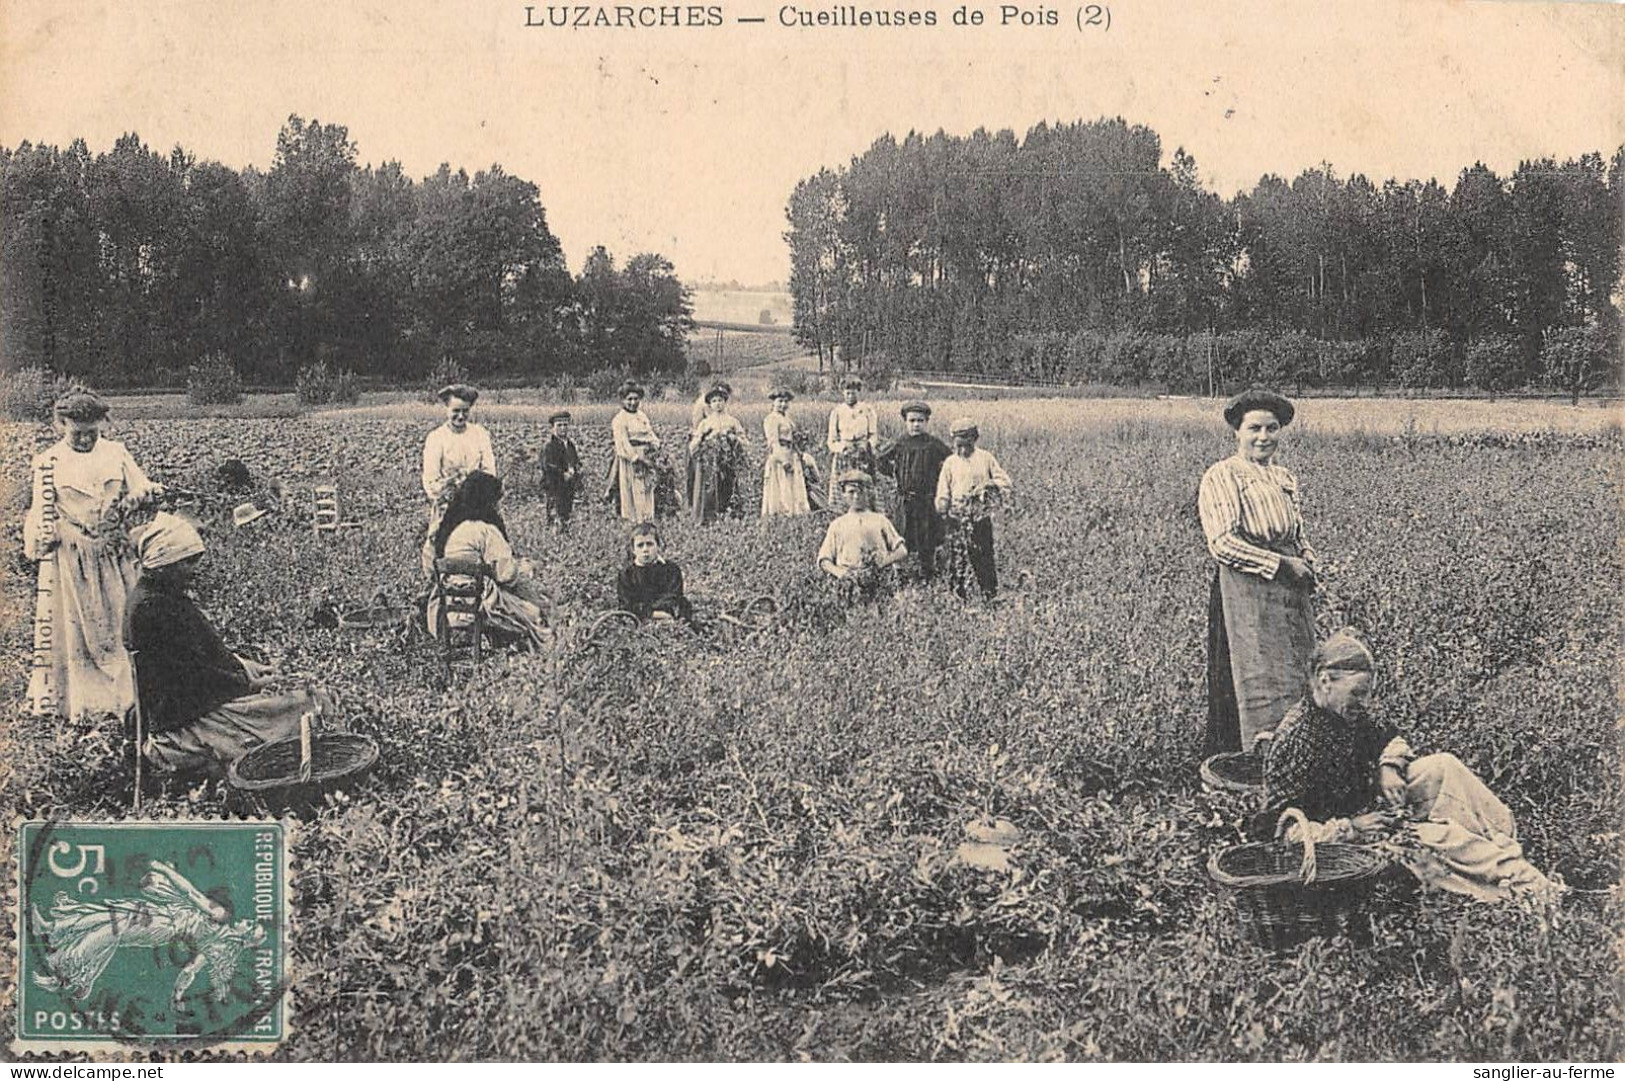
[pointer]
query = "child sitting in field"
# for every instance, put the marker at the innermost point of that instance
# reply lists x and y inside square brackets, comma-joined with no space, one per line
[649,586]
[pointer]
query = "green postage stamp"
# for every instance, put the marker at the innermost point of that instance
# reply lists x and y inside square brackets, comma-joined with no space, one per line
[142,933]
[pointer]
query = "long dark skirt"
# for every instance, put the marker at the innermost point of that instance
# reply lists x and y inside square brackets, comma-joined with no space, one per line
[710,486]
[1259,638]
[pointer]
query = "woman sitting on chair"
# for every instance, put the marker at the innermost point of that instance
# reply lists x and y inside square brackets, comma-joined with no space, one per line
[472,531]
[203,707]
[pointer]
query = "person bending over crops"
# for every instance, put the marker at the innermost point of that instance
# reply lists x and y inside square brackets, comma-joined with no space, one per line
[784,476]
[861,544]
[968,488]
[853,435]
[561,469]
[454,450]
[85,488]
[473,531]
[1261,625]
[715,450]
[650,586]
[633,469]
[916,461]
[1359,781]
[203,706]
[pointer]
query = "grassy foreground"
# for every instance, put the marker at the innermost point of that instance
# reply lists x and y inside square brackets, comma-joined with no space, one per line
[661,849]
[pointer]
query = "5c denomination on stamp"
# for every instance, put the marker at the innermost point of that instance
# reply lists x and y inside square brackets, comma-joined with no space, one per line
[143,933]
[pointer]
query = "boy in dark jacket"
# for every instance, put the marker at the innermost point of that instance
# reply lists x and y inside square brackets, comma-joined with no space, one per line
[561,470]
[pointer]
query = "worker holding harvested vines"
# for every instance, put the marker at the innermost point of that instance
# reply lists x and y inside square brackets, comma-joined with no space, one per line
[203,706]
[969,487]
[716,449]
[454,450]
[915,461]
[784,476]
[853,435]
[634,469]
[473,531]
[85,488]
[1359,781]
[651,586]
[1261,625]
[561,469]
[861,544]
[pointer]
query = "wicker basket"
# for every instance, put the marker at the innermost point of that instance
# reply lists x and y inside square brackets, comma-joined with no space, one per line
[1284,896]
[1233,773]
[296,773]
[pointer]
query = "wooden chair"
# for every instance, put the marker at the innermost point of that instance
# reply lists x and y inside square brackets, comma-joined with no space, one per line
[459,623]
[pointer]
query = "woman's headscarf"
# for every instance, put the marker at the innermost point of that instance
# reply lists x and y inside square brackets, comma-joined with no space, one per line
[167,539]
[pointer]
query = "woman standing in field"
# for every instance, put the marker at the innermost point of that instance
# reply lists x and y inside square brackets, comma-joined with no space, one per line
[632,468]
[1261,627]
[84,488]
[714,449]
[454,450]
[784,477]
[473,531]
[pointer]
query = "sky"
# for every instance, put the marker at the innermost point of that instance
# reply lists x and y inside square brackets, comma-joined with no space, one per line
[688,141]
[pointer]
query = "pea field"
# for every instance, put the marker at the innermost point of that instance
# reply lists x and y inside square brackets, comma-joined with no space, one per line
[664,844]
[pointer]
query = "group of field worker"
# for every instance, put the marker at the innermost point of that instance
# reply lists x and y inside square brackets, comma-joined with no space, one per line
[106,589]
[1305,707]
[942,491]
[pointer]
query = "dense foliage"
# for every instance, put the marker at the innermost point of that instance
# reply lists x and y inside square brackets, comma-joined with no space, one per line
[919,828]
[957,253]
[130,266]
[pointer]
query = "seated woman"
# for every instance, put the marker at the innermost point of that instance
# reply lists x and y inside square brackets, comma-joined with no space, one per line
[472,531]
[200,703]
[1333,762]
[862,543]
[649,586]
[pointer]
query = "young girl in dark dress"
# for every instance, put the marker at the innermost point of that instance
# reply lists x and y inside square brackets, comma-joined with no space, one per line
[649,586]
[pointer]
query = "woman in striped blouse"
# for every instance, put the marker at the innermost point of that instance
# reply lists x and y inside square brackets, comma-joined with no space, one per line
[1261,627]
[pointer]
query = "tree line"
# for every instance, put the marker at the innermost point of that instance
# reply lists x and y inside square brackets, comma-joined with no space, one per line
[131,266]
[1074,254]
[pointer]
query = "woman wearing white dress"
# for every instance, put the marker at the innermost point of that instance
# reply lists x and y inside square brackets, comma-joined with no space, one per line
[633,472]
[784,477]
[454,450]
[84,487]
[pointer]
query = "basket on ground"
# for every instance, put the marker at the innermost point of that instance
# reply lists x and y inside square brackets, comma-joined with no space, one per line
[1284,896]
[278,771]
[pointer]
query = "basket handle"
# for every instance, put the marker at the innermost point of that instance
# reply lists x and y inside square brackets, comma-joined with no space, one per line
[304,747]
[1306,872]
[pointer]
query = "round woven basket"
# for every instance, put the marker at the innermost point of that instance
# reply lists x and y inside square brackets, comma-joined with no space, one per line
[1233,772]
[1285,894]
[336,758]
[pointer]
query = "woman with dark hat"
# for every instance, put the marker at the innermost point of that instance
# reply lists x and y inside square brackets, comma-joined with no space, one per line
[633,469]
[715,448]
[84,490]
[916,461]
[1261,627]
[454,450]
[784,476]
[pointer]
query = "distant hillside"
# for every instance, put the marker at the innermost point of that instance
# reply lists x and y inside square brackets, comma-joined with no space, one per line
[741,306]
